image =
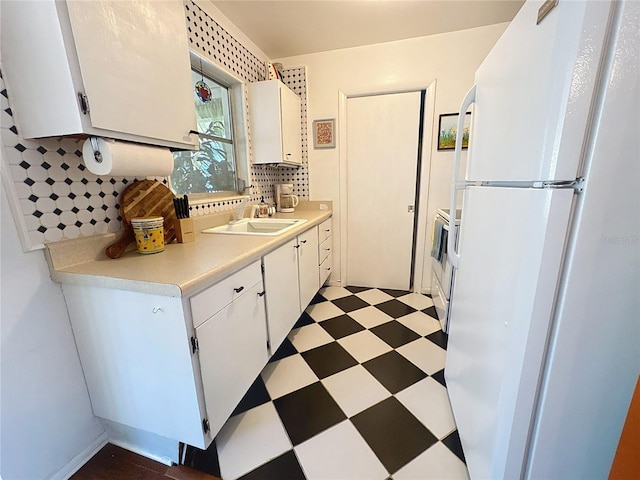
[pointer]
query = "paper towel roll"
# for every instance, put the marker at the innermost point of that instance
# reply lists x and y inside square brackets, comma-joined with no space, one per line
[123,159]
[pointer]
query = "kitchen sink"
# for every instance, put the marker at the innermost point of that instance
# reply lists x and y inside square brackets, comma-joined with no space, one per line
[257,226]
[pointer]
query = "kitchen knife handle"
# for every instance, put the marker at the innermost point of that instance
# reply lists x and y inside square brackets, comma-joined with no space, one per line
[176,207]
[185,204]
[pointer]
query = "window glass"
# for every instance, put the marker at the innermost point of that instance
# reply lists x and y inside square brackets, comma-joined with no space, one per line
[211,169]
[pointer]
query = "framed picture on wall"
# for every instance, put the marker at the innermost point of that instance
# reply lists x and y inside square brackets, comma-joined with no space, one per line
[324,133]
[447,131]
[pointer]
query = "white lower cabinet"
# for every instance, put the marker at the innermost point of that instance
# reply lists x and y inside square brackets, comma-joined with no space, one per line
[325,258]
[136,354]
[177,367]
[147,367]
[291,282]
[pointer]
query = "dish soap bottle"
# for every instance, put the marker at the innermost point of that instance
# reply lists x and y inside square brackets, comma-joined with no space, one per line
[263,209]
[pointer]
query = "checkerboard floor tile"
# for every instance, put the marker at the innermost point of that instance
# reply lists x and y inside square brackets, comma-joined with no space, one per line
[356,391]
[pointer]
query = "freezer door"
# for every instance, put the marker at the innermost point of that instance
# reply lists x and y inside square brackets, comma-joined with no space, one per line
[534,91]
[511,246]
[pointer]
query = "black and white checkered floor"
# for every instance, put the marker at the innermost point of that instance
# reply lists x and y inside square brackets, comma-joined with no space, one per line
[356,391]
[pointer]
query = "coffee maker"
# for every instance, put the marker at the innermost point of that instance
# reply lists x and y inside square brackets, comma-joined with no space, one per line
[286,201]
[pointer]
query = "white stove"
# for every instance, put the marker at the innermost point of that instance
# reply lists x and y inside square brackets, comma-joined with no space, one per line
[443,273]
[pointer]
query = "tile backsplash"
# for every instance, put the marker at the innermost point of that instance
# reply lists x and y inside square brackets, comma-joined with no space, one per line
[58,198]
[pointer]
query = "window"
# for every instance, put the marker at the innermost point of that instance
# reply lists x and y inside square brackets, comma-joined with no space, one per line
[216,167]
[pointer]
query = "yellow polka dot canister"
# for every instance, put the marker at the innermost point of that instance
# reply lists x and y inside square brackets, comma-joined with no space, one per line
[149,232]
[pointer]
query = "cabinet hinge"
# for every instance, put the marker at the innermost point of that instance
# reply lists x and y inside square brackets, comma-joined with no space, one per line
[194,345]
[205,426]
[84,102]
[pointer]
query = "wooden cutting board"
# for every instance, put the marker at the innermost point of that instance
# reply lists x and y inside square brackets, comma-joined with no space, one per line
[146,198]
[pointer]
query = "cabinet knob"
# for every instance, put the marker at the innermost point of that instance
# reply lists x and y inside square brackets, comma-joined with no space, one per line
[261,294]
[303,241]
[238,290]
[296,246]
[157,309]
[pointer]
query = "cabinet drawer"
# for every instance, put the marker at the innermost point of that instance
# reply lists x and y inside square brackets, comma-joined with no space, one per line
[325,269]
[324,250]
[324,230]
[215,298]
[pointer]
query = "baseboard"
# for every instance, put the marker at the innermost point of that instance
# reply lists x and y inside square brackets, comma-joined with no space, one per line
[132,448]
[336,283]
[79,460]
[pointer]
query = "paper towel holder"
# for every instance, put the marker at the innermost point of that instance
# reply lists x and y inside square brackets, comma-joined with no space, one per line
[97,155]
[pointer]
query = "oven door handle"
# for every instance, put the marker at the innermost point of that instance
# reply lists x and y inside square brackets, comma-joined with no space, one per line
[469,99]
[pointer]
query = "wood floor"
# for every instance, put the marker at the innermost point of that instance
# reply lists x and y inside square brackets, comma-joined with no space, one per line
[115,463]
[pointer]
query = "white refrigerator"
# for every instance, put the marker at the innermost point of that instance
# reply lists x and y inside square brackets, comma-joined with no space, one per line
[544,336]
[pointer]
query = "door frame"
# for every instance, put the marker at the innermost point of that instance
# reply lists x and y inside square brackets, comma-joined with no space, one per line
[425,170]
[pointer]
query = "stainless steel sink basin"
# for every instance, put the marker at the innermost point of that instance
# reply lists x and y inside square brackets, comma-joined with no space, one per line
[257,226]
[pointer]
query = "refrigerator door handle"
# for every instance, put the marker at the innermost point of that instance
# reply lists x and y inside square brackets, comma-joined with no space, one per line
[456,185]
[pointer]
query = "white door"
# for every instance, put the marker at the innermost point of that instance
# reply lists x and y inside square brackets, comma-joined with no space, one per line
[308,266]
[233,347]
[529,123]
[511,244]
[290,125]
[382,152]
[283,292]
[131,88]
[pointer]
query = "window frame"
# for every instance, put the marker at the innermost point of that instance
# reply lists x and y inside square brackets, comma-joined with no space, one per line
[236,89]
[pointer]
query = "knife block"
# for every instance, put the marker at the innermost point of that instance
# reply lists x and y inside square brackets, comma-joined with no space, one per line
[184,230]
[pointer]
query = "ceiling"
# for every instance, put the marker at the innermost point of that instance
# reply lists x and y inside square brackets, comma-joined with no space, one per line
[296,27]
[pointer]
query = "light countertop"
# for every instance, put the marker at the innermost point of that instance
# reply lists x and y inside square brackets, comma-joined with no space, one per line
[183,268]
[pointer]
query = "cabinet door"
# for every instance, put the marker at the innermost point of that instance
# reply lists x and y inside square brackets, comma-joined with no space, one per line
[140,82]
[308,266]
[291,128]
[133,68]
[283,294]
[232,352]
[274,114]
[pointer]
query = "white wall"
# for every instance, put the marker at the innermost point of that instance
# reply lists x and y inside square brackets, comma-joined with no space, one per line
[451,59]
[46,422]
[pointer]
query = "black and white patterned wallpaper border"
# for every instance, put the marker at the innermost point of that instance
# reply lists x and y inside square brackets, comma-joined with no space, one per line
[57,198]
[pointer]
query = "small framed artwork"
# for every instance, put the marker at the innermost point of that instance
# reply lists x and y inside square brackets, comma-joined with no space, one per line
[447,131]
[324,133]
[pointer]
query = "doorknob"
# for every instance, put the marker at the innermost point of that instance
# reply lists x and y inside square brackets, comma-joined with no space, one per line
[411,209]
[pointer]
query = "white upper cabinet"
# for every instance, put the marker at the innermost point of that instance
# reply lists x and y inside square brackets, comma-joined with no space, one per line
[106,68]
[274,119]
